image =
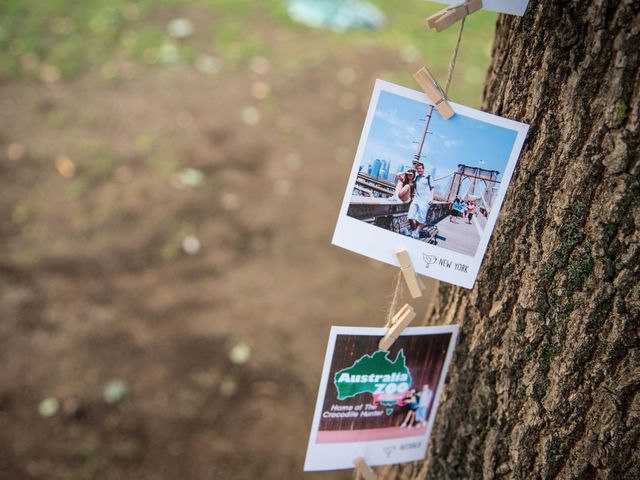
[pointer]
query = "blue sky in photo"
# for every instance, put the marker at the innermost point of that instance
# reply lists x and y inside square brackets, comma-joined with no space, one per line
[396,126]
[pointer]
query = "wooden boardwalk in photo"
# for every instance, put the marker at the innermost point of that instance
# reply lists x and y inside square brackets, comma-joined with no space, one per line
[461,237]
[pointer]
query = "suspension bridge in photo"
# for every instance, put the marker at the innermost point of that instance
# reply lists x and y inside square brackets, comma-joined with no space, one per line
[371,202]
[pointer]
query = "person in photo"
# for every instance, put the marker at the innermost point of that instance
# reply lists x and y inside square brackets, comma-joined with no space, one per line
[411,401]
[471,210]
[422,201]
[456,210]
[424,401]
[405,187]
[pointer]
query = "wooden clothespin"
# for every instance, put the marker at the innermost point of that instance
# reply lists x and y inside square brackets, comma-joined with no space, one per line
[399,322]
[410,276]
[364,469]
[432,88]
[450,15]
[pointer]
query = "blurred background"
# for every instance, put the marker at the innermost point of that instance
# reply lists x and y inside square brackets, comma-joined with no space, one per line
[170,176]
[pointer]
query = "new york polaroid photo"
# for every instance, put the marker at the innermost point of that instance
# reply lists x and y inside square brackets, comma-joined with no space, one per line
[379,405]
[512,7]
[431,186]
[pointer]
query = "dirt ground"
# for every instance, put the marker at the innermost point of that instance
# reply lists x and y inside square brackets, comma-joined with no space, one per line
[95,203]
[167,225]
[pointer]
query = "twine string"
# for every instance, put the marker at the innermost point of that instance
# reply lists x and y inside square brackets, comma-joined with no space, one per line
[398,287]
[454,56]
[395,299]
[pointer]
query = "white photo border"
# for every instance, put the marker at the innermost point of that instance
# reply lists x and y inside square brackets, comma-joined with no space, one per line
[512,7]
[324,456]
[380,244]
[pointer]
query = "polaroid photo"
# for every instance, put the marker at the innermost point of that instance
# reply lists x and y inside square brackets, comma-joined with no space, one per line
[375,404]
[512,7]
[431,186]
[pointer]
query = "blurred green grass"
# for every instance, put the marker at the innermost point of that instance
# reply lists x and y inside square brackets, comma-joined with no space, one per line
[61,39]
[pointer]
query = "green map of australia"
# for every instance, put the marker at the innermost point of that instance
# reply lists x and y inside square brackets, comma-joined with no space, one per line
[376,374]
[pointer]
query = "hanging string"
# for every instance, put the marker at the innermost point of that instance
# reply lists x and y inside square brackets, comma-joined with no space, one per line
[398,289]
[454,56]
[395,299]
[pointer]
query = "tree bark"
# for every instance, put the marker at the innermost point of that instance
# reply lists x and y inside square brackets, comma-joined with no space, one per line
[544,380]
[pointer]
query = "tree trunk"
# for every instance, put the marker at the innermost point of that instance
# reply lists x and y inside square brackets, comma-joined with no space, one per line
[544,380]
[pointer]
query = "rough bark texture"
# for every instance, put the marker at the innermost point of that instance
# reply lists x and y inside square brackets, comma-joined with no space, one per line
[544,382]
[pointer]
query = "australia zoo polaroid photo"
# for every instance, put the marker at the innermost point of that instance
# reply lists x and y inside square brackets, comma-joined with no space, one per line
[431,186]
[375,404]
